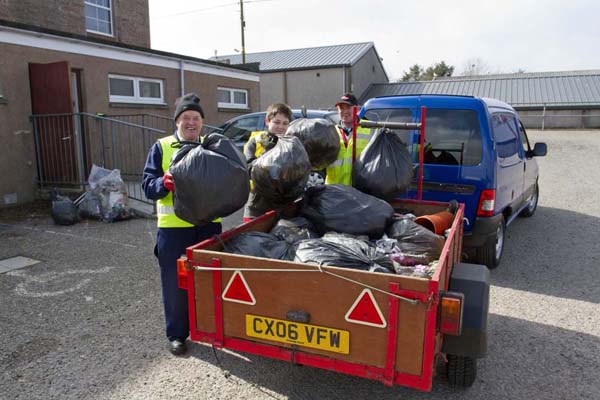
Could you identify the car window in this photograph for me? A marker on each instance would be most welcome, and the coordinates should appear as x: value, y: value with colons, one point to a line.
x: 524, y: 139
x: 241, y: 128
x: 506, y: 137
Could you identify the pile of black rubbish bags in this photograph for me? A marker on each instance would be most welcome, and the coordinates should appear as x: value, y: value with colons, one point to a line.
x: 337, y: 225
x: 341, y: 226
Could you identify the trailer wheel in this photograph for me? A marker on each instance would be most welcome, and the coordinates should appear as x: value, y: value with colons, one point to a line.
x: 461, y: 370
x: 533, y: 202
x: 491, y: 252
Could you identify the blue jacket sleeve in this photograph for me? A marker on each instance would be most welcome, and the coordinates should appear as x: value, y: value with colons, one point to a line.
x: 152, y: 179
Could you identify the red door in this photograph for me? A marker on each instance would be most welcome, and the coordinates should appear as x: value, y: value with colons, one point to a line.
x: 56, y: 140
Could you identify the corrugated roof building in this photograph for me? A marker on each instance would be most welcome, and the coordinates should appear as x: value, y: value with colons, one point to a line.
x: 314, y: 77
x: 568, y: 99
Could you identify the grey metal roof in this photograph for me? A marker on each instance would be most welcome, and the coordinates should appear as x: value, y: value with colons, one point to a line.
x: 567, y: 88
x: 312, y: 57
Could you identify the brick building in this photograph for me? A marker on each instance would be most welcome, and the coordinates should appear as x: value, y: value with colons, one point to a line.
x: 92, y: 57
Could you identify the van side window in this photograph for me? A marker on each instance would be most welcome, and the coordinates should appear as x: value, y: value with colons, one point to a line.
x: 452, y: 137
x: 506, y: 136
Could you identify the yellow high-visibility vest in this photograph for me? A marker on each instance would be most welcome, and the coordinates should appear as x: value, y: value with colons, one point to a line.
x: 340, y: 171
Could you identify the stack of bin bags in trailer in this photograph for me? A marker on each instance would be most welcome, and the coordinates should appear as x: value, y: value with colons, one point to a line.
x: 342, y: 250
x: 384, y: 168
x: 320, y: 140
x: 364, y: 235
x: 211, y: 180
x: 280, y: 175
x: 343, y: 209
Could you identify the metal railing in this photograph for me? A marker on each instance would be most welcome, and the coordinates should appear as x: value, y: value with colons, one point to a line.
x: 67, y: 145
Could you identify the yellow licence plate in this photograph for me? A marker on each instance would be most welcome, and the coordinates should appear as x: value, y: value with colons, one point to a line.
x: 314, y: 336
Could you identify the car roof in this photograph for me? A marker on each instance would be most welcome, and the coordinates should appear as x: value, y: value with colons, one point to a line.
x: 392, y: 101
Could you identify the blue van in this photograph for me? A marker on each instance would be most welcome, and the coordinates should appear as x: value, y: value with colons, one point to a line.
x: 476, y: 152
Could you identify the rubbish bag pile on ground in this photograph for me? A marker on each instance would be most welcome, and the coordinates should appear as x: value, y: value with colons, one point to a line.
x: 106, y: 198
x: 280, y: 174
x: 63, y: 210
x: 320, y: 139
x: 340, y: 226
x: 211, y: 180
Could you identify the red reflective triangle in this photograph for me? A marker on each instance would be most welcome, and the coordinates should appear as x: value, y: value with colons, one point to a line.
x: 238, y: 291
x: 366, y: 311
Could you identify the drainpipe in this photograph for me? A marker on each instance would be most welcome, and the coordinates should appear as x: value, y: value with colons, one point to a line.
x: 344, y: 80
x: 181, y: 77
x: 543, y: 117
x: 285, y: 89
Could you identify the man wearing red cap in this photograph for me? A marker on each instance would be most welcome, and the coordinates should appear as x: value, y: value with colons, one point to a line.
x: 341, y: 170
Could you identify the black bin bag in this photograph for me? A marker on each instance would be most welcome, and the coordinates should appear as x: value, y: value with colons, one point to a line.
x: 320, y: 139
x: 415, y: 239
x: 260, y: 244
x: 280, y: 174
x: 211, y: 180
x: 341, y: 250
x: 384, y: 168
x: 342, y: 208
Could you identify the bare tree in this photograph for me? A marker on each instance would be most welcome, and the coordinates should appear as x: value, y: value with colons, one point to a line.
x: 475, y: 66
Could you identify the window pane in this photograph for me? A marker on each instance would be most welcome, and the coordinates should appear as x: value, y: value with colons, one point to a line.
x: 150, y: 89
x: 103, y: 15
x: 393, y: 115
x: 452, y: 137
x: 239, y: 97
x: 91, y: 24
x: 104, y: 27
x: 241, y: 129
x: 121, y: 87
x: 223, y: 96
x: 104, y: 3
x: 505, y: 135
x: 90, y: 11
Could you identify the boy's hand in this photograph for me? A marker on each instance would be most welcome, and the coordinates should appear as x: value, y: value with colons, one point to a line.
x: 168, y: 182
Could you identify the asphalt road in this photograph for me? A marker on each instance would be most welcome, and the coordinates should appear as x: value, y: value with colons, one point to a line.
x: 86, y: 321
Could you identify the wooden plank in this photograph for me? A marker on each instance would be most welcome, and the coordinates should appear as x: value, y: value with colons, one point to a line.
x: 326, y: 298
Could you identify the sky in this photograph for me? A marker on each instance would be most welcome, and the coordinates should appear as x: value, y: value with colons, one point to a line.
x: 496, y: 37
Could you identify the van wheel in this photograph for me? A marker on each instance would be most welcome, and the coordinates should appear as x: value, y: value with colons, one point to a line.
x: 532, y: 203
x: 461, y: 370
x: 491, y: 252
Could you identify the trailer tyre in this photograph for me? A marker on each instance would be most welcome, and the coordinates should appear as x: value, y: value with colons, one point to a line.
x: 491, y: 252
x: 461, y: 370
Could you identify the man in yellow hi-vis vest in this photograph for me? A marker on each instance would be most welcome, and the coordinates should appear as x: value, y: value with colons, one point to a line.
x: 174, y: 235
x: 340, y: 171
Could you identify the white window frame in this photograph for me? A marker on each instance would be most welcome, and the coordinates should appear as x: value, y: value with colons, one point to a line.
x: 110, y: 13
x: 136, y: 98
x: 230, y: 104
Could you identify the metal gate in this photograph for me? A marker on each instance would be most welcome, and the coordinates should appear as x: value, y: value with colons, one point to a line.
x: 109, y: 142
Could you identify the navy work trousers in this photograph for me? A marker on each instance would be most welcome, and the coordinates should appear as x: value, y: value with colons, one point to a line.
x: 170, y: 245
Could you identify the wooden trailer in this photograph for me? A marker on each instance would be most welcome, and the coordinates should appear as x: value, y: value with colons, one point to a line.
x: 379, y: 326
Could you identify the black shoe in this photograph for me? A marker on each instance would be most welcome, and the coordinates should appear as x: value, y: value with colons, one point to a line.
x: 177, y: 346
